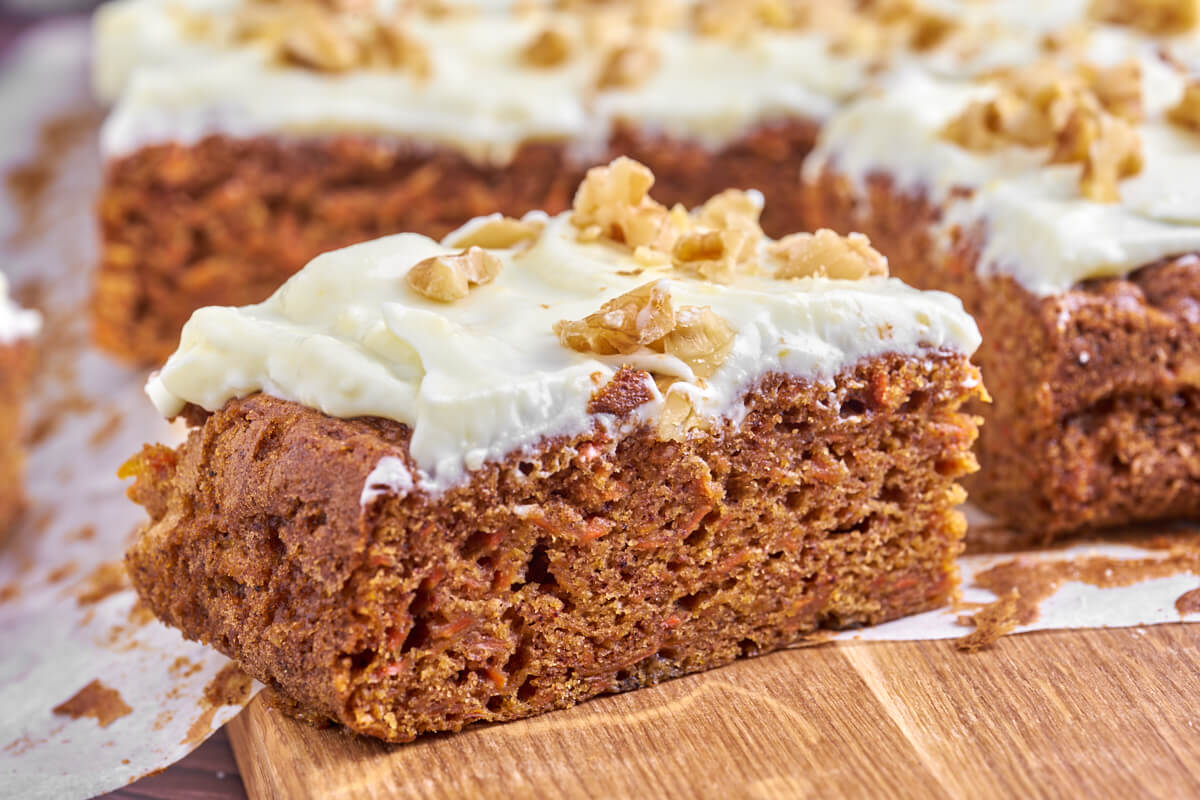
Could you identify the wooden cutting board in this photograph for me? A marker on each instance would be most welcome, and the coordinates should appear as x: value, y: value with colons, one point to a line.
x: 1098, y: 713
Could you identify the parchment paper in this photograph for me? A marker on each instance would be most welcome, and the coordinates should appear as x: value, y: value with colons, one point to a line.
x: 67, y: 619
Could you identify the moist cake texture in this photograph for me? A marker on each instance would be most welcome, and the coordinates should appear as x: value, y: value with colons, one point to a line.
x: 1070, y: 231
x: 249, y: 136
x: 432, y: 484
x: 17, y: 325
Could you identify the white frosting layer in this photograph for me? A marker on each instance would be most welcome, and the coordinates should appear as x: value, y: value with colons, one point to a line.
x: 175, y: 86
x: 1040, y: 229
x: 479, y: 97
x: 15, y: 322
x: 486, y: 376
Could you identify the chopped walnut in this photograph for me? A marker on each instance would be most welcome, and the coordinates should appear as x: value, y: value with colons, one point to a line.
x: 677, y: 416
x: 700, y: 339
x: 498, y: 233
x: 1116, y: 153
x: 627, y: 66
x: 734, y: 210
x: 1029, y: 109
x: 709, y: 254
x: 623, y: 325
x: 1187, y: 112
x: 330, y: 37
x: 1118, y: 88
x: 450, y: 277
x: 826, y: 254
x: 1157, y: 17
x: 550, y: 48
x: 613, y: 202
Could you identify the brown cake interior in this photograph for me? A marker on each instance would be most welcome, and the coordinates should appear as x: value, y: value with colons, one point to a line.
x: 226, y: 221
x: 585, y: 566
x: 1096, y: 413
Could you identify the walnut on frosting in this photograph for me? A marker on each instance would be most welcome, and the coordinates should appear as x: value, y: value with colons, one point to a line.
x: 1083, y: 116
x: 825, y: 254
x: 613, y: 203
x: 1159, y: 17
x: 447, y: 278
x: 549, y: 48
x: 497, y: 233
x: 627, y: 66
x: 330, y: 36
x: 1186, y: 113
x: 643, y: 319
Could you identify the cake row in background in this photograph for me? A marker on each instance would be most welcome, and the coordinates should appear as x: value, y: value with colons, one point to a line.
x: 1036, y: 159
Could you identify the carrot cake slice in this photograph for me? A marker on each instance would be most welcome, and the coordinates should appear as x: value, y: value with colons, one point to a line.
x: 428, y: 484
x: 1060, y: 202
x: 17, y: 325
x: 248, y: 136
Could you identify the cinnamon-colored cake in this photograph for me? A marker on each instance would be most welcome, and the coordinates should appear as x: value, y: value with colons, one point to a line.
x: 249, y: 136
x: 16, y: 326
x: 555, y: 457
x: 1059, y: 202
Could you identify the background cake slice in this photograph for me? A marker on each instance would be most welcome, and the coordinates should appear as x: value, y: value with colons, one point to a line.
x: 17, y: 325
x: 249, y: 136
x: 1060, y: 203
x: 430, y: 484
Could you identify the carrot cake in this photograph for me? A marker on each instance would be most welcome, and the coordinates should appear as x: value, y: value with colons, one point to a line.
x: 17, y: 325
x: 248, y: 136
x: 1060, y: 202
x: 428, y: 484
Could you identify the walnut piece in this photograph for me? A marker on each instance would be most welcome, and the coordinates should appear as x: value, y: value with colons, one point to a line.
x: 627, y: 66
x: 700, y: 339
x: 709, y: 254
x: 623, y: 325
x: 1159, y: 17
x: 827, y: 255
x: 1114, y: 153
x: 498, y: 233
x: 1118, y: 88
x: 1186, y: 113
x: 613, y: 202
x: 550, y: 48
x: 450, y: 277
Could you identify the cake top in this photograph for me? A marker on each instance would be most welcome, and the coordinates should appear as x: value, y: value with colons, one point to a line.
x: 704, y: 70
x: 15, y: 322
x: 1082, y: 165
x: 500, y: 335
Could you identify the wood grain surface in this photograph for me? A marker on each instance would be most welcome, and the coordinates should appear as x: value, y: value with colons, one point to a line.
x: 1098, y: 713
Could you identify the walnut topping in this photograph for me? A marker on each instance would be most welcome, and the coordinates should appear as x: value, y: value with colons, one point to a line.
x: 627, y: 66
x: 1152, y: 16
x: 825, y: 254
x: 449, y: 278
x: 613, y: 202
x: 710, y: 254
x: 332, y: 36
x: 735, y: 19
x: 643, y: 319
x: 700, y: 339
x: 498, y: 233
x: 550, y: 48
x: 1084, y: 116
x: 623, y: 325
x: 1187, y: 113
x: 1115, y: 153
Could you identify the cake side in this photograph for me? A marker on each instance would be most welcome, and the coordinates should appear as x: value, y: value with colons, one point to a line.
x: 579, y: 566
x: 17, y: 326
x: 1095, y: 419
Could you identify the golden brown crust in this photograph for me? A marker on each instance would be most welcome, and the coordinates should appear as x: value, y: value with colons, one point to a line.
x: 15, y: 361
x: 226, y: 221
x: 1096, y: 413
x: 589, y: 565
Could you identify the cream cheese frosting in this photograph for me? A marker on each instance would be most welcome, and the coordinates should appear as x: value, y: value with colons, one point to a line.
x: 487, y: 375
x: 1040, y: 229
x: 15, y: 322
x: 171, y: 83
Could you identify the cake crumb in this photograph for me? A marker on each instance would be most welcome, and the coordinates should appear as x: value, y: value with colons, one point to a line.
x: 104, y: 581
x: 97, y: 701
x: 1188, y: 603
